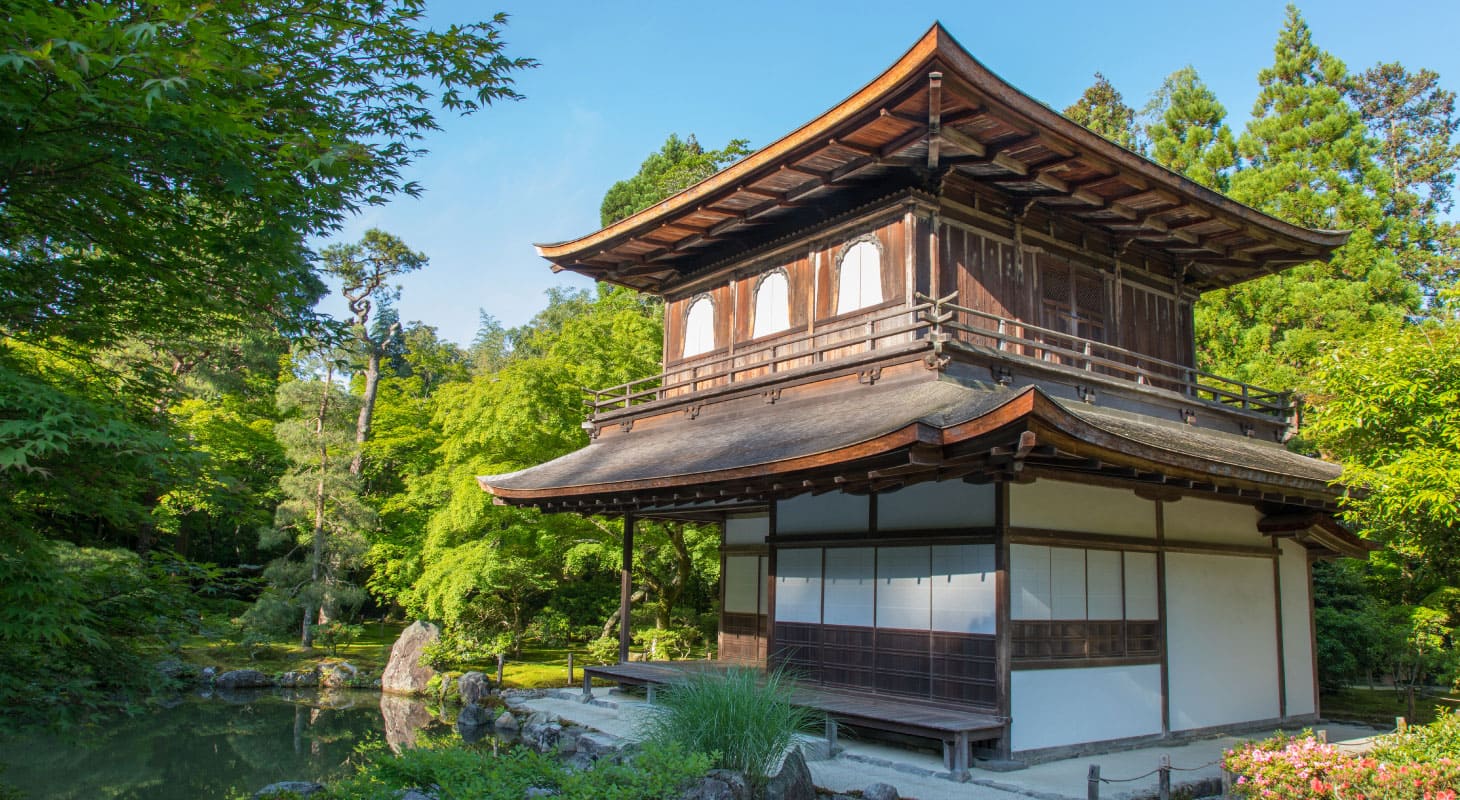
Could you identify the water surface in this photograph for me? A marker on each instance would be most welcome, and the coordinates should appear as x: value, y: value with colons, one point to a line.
x: 213, y: 746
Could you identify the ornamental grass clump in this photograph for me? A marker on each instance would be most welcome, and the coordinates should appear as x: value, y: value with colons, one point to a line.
x: 742, y: 719
x: 1303, y: 768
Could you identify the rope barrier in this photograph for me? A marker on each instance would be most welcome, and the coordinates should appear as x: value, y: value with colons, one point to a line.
x: 1158, y: 769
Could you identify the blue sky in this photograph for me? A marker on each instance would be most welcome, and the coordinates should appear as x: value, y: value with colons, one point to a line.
x: 617, y: 78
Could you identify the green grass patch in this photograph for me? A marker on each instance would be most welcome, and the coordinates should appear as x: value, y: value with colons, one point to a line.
x: 1380, y: 706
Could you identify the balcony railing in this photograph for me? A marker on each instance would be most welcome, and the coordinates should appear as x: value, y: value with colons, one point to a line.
x: 936, y: 325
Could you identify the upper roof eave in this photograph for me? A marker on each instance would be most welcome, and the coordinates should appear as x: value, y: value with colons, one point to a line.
x: 935, y: 46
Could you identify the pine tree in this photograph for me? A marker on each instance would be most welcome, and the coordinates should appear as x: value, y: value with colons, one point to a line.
x: 1103, y: 110
x: 1188, y: 130
x: 1413, y: 121
x: 1307, y: 159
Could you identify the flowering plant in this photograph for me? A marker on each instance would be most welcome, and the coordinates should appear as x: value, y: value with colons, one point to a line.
x: 1303, y: 768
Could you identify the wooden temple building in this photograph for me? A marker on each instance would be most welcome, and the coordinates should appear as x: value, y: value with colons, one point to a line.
x: 929, y: 359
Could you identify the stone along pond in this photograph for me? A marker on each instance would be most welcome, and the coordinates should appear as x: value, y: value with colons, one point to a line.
x: 212, y: 745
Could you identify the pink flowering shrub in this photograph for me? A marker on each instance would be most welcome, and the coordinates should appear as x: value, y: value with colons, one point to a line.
x: 1303, y: 768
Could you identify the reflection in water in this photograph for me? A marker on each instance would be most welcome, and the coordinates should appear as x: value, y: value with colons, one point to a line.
x: 403, y: 717
x: 210, y: 746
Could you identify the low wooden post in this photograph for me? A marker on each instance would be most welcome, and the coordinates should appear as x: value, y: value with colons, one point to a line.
x: 570, y: 669
x: 1163, y: 786
x: 1400, y: 724
x: 1322, y: 737
x: 587, y: 686
x: 1226, y: 783
x: 831, y: 736
x: 1092, y: 783
x: 501, y: 660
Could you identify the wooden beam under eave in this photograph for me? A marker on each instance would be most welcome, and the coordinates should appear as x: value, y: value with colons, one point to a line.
x: 963, y: 141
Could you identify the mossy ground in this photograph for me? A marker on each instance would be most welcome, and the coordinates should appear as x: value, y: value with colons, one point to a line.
x: 1381, y: 706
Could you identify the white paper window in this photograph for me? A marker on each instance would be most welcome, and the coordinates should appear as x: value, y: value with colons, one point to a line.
x: 699, y: 327
x: 904, y: 592
x: 1140, y: 586
x: 798, y: 585
x: 742, y: 584
x: 1067, y: 583
x: 1029, y: 565
x: 859, y: 279
x: 772, y: 305
x: 964, y: 588
x: 849, y: 589
x: 1102, y: 575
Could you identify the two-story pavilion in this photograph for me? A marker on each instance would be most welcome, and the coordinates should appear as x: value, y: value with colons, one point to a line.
x: 929, y: 358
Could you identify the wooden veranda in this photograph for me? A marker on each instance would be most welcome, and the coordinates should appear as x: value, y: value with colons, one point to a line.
x: 955, y: 728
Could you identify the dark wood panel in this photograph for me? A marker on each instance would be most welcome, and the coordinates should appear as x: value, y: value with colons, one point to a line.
x: 1079, y: 641
x: 927, y: 665
x: 742, y: 638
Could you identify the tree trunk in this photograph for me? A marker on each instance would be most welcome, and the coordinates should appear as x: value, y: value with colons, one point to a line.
x: 367, y: 403
x: 608, y: 626
x: 316, y: 566
x: 373, y: 351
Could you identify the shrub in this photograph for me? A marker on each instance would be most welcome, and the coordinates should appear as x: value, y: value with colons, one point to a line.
x: 463, y: 771
x: 1421, y: 743
x: 743, y: 719
x: 603, y: 650
x: 668, y: 644
x: 333, y: 634
x: 1302, y: 768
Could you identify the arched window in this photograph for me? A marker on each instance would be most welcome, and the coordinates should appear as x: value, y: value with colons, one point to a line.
x: 859, y: 277
x: 772, y: 304
x: 699, y: 327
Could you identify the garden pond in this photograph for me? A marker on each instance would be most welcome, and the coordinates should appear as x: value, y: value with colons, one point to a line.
x: 212, y: 745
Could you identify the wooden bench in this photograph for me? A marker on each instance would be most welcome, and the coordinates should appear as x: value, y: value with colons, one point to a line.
x: 955, y: 727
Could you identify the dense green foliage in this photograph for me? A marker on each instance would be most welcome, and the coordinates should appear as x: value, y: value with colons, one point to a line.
x: 1103, y: 110
x: 1188, y: 131
x: 678, y: 165
x: 743, y: 718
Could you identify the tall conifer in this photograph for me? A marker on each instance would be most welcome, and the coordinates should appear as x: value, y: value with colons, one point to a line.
x: 1188, y: 130
x: 1307, y: 159
x: 1103, y: 110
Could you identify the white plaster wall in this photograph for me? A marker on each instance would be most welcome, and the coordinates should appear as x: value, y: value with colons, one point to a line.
x: 832, y: 512
x: 1056, y: 707
x: 743, y: 529
x: 1193, y: 519
x: 798, y: 585
x: 1064, y: 506
x: 742, y: 584
x: 951, y: 504
x: 1221, y: 640
x: 1297, y: 638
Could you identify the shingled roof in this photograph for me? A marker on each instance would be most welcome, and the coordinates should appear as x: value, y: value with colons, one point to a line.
x: 938, y: 108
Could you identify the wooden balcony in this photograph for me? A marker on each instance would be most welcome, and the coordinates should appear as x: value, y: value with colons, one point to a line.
x: 937, y: 328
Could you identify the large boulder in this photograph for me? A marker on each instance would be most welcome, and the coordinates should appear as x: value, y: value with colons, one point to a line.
x: 473, y: 716
x: 793, y: 782
x: 242, y: 679
x: 472, y: 687
x: 338, y: 676
x: 405, y: 674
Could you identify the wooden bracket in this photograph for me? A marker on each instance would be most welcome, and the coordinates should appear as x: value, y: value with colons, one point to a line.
x: 693, y: 411
x: 1003, y: 376
x: 591, y: 428
x: 626, y: 426
x: 870, y: 375
x: 1188, y: 416
x: 1086, y: 393
x: 770, y: 396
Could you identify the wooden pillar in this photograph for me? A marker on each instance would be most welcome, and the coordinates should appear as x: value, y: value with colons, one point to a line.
x: 1161, y: 617
x: 625, y: 591
x: 1277, y: 602
x: 770, y: 589
x: 1003, y: 632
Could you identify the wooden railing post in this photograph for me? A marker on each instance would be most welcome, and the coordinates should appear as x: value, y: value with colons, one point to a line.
x: 1092, y: 783
x: 1163, y: 790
